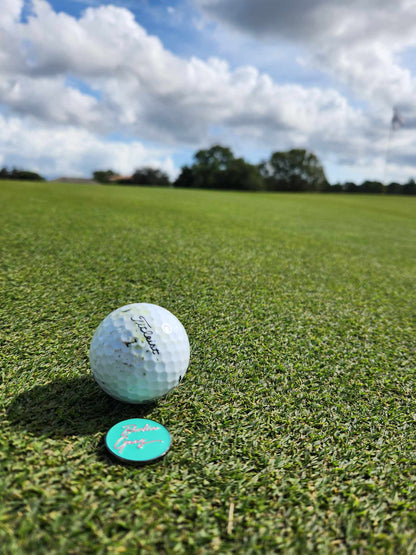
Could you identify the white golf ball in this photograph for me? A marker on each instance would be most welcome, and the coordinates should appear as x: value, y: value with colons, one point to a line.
x: 139, y: 353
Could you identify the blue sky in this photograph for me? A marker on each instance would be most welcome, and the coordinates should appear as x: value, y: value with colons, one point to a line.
x: 91, y: 84
x: 171, y: 21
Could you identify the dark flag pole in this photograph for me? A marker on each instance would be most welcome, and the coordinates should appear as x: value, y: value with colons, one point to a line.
x: 395, y: 124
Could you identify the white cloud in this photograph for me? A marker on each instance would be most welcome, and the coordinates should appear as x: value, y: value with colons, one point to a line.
x: 26, y: 95
x: 357, y: 41
x: 10, y: 12
x: 69, y: 150
x: 144, y: 86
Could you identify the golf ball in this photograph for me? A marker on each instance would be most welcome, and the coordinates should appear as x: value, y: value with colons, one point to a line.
x: 139, y: 353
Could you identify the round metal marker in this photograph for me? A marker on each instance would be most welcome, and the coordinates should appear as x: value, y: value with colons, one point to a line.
x: 138, y: 440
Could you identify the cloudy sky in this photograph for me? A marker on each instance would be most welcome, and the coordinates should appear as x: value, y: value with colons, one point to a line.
x: 94, y: 84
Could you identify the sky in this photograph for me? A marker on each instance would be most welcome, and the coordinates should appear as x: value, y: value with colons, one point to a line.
x: 122, y: 84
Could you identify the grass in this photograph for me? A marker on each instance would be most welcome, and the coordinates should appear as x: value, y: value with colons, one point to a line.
x: 294, y: 429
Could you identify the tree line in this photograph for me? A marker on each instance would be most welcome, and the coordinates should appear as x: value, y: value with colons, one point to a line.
x: 21, y: 175
x: 294, y: 170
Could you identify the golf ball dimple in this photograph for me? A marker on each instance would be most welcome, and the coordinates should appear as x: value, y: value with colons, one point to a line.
x: 139, y: 353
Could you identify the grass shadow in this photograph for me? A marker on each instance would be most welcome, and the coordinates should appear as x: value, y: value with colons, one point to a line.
x: 70, y: 407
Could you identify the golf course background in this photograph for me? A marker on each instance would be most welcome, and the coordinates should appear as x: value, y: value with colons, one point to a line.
x: 294, y: 429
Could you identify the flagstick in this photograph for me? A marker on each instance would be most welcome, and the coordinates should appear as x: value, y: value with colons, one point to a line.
x: 395, y: 124
x: 387, y: 154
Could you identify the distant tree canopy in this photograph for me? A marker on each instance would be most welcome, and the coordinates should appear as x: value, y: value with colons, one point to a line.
x: 22, y: 175
x: 150, y: 176
x: 294, y: 170
x: 142, y: 176
x: 365, y: 187
x: 409, y: 188
x: 217, y: 168
x: 103, y: 176
x: 371, y: 187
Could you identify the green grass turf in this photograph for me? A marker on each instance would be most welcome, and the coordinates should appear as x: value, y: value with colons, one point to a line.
x: 298, y: 408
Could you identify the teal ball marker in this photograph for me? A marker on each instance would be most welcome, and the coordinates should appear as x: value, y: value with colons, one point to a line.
x: 138, y: 440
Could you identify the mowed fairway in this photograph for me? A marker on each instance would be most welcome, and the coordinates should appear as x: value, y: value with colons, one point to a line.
x: 297, y: 411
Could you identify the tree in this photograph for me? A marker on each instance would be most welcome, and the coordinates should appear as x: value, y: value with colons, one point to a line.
x: 186, y: 178
x: 217, y: 168
x: 394, y: 188
x: 103, y: 176
x: 240, y: 175
x: 294, y: 170
x: 216, y: 158
x: 209, y: 167
x: 350, y: 187
x: 371, y: 187
x: 409, y: 188
x: 150, y: 176
x: 335, y: 188
x: 25, y: 175
x: 21, y: 175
